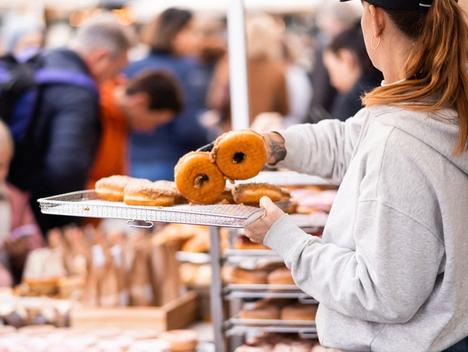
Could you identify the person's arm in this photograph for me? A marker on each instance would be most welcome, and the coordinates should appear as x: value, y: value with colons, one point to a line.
x: 72, y: 139
x: 385, y: 279
x: 25, y: 234
x: 324, y: 149
x: 391, y: 268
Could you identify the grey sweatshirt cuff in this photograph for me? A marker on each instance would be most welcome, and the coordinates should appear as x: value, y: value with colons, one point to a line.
x: 284, y: 235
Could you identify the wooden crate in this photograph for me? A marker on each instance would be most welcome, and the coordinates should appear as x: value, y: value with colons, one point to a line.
x: 175, y: 315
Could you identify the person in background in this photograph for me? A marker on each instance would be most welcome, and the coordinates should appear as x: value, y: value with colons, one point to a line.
x: 298, y: 82
x: 332, y: 19
x: 149, y: 100
x: 266, y: 72
x: 22, y: 36
x: 65, y: 130
x: 19, y: 233
x: 174, y: 43
x: 351, y: 72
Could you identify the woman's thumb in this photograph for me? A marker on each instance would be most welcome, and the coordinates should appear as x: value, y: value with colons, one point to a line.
x: 266, y: 203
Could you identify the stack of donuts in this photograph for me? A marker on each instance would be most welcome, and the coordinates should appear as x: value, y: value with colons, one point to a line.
x: 236, y: 155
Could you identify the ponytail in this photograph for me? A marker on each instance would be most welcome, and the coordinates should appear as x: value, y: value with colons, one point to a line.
x: 437, y: 68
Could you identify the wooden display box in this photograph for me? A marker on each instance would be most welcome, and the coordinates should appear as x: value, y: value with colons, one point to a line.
x: 174, y: 315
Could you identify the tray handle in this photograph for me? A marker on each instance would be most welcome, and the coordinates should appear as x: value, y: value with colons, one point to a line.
x: 140, y: 224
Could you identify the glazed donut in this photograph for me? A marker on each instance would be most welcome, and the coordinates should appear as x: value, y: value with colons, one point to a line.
x: 198, y: 179
x: 251, y: 193
x: 239, y: 154
x: 147, y: 193
x: 112, y: 188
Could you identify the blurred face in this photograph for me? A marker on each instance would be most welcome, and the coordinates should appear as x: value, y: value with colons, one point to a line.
x: 187, y: 41
x: 140, y: 117
x: 342, y: 69
x: 29, y: 41
x: 5, y: 158
x: 105, y: 66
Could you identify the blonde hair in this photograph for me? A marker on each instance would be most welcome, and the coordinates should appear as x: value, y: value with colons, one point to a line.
x: 6, y: 140
x: 264, y: 37
x: 437, y: 68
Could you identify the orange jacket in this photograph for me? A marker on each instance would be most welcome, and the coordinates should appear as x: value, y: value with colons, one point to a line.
x: 111, y: 157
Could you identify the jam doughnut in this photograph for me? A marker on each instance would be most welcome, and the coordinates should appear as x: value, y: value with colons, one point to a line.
x: 198, y: 179
x: 239, y: 154
x: 112, y: 188
x: 147, y: 193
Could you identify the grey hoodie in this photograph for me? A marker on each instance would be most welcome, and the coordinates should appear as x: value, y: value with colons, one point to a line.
x: 391, y: 271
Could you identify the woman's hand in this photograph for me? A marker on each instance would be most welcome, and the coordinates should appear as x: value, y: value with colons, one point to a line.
x: 275, y: 147
x: 257, y: 230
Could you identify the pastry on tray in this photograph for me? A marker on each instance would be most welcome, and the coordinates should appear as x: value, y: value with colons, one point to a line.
x: 243, y: 242
x: 266, y: 312
x: 251, y: 193
x: 281, y: 276
x: 302, y: 312
x: 147, y: 193
x: 112, y: 188
x: 181, y: 340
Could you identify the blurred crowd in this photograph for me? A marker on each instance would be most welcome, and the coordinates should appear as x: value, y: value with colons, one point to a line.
x: 124, y: 100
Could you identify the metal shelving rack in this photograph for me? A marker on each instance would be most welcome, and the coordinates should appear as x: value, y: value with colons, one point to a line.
x: 226, y: 300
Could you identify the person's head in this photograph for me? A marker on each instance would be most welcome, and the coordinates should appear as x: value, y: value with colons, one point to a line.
x: 264, y: 37
x: 6, y: 151
x: 431, y: 36
x: 334, y: 17
x: 103, y: 43
x: 346, y: 59
x: 173, y: 32
x: 151, y: 99
x: 212, y: 39
x: 21, y: 34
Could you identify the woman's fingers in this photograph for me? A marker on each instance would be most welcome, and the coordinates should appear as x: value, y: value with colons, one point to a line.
x: 258, y: 229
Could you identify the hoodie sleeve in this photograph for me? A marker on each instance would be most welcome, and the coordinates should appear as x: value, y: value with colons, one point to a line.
x: 385, y: 279
x: 394, y: 253
x: 323, y: 149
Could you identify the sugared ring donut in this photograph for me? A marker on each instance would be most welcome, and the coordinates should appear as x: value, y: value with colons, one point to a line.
x: 112, y: 188
x: 239, y: 154
x: 198, y: 179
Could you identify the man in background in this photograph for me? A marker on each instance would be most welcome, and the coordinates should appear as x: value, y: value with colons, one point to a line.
x: 64, y: 134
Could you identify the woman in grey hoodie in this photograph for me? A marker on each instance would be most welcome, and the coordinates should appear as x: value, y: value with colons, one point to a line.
x: 390, y: 271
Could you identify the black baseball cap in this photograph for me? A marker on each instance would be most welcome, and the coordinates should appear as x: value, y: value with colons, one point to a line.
x: 400, y: 4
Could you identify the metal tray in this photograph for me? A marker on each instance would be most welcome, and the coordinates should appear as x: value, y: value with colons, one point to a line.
x: 87, y: 204
x: 304, y: 332
x: 272, y: 322
x: 261, y: 287
x: 194, y: 258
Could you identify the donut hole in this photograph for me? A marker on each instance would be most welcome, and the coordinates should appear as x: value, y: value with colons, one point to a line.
x: 200, y: 180
x: 238, y: 157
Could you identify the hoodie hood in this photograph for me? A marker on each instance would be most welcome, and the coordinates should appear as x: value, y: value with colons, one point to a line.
x: 438, y: 130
